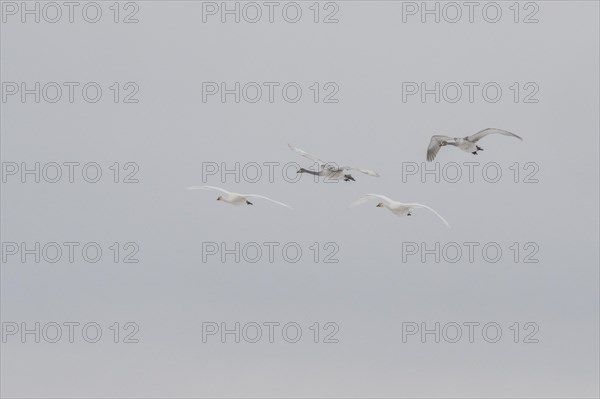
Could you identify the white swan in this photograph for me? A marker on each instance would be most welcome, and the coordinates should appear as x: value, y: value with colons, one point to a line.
x: 397, y: 208
x: 330, y: 170
x: 235, y: 198
x: 468, y: 144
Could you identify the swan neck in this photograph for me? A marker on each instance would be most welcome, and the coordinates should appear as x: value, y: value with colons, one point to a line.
x: 308, y: 171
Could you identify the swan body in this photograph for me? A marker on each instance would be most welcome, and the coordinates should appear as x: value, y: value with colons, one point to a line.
x: 467, y: 144
x: 397, y: 208
x: 236, y: 198
x: 330, y: 170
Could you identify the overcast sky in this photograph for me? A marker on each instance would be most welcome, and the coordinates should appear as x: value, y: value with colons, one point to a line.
x: 363, y: 61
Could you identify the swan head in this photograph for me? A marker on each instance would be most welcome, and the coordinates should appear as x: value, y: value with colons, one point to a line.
x: 380, y: 205
x: 220, y: 198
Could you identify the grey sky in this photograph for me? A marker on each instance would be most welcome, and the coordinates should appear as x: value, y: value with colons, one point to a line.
x: 370, y: 292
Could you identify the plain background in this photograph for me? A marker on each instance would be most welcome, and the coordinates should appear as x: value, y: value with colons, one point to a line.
x: 370, y: 292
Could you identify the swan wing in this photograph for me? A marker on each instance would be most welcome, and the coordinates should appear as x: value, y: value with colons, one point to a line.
x: 266, y: 198
x: 208, y: 188
x: 431, y: 209
x: 365, y: 171
x: 307, y: 155
x: 486, y: 132
x: 435, y: 144
x: 368, y: 197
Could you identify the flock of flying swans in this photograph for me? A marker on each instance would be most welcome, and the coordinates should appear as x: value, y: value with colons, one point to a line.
x: 334, y: 172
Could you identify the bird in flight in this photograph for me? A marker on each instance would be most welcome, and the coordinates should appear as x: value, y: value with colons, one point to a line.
x: 330, y: 170
x: 397, y: 208
x: 235, y: 198
x: 467, y: 144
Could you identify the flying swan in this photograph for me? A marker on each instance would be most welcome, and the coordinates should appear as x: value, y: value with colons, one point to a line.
x: 397, y: 208
x: 467, y: 144
x: 235, y: 198
x: 329, y: 169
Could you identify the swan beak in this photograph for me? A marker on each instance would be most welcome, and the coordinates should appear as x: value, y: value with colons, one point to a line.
x: 219, y: 198
x: 379, y: 205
